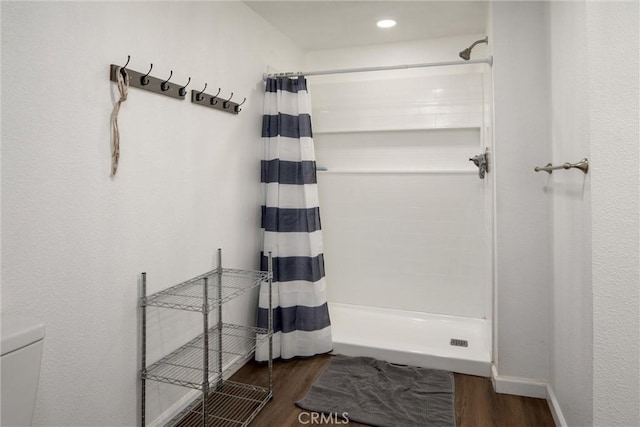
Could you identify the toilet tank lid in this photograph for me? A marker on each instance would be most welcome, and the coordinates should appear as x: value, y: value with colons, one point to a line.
x: 19, y: 331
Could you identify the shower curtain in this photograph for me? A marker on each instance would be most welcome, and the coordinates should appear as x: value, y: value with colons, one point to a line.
x: 291, y: 226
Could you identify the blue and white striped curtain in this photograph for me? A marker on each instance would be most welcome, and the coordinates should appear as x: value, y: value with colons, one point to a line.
x: 291, y: 225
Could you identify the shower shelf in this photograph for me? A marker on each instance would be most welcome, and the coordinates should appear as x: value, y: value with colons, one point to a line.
x: 202, y: 363
x: 474, y: 126
x: 398, y: 171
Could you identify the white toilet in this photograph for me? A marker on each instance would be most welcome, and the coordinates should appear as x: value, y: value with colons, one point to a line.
x: 21, y: 347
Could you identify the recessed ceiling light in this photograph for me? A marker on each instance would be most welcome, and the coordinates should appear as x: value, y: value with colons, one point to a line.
x: 386, y: 23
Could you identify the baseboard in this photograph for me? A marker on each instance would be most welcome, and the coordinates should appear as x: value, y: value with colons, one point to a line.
x: 175, y: 409
x: 554, y: 407
x: 518, y: 386
x: 192, y: 395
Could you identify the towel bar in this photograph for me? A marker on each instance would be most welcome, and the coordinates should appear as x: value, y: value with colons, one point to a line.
x: 583, y: 165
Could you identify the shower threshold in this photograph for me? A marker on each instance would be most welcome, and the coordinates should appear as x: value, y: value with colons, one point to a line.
x: 412, y: 338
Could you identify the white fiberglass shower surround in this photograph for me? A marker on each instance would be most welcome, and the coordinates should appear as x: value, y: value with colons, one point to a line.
x: 407, y: 221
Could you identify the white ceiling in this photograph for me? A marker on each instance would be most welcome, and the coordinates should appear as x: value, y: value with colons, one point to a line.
x: 335, y: 24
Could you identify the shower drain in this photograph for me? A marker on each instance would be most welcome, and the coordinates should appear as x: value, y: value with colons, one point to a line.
x: 459, y: 343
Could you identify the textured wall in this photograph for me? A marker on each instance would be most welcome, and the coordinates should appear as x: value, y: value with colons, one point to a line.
x: 73, y: 240
x: 570, y: 193
x: 562, y: 93
x: 612, y: 42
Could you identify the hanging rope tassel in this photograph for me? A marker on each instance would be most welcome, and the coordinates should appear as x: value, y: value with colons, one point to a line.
x: 123, y: 88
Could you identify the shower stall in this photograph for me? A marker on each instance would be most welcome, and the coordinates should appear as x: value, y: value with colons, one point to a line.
x: 407, y: 220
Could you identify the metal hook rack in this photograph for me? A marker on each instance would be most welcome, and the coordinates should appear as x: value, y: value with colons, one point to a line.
x: 215, y: 102
x: 179, y: 91
x: 146, y: 82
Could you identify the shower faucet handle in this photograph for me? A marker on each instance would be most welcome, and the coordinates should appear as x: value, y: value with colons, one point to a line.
x: 482, y: 162
x: 475, y: 159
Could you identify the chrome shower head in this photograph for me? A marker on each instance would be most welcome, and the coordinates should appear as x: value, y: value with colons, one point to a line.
x: 466, y: 54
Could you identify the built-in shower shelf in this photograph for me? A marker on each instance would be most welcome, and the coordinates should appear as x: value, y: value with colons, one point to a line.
x: 188, y: 295
x: 399, y: 171
x: 184, y: 365
x: 318, y: 132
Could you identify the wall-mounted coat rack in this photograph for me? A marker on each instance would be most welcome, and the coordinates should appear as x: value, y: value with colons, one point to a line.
x: 150, y: 83
x: 165, y: 87
x: 216, y: 102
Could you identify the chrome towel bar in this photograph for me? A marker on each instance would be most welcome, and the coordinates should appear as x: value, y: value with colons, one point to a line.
x: 583, y: 165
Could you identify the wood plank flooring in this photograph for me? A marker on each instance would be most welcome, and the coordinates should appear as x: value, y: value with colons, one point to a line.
x: 476, y: 403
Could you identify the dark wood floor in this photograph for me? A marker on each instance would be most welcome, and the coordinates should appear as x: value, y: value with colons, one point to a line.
x: 475, y: 401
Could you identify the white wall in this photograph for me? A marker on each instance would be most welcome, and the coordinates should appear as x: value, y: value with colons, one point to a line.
x: 613, y: 55
x: 74, y: 241
x: 523, y: 260
x: 594, y: 70
x: 566, y: 87
x: 420, y: 234
x: 405, y: 241
x: 412, y: 52
x: 570, y: 194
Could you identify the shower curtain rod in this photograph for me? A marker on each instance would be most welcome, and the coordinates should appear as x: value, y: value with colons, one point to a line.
x: 488, y: 60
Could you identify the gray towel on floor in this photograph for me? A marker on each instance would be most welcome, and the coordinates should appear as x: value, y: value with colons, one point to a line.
x: 379, y: 393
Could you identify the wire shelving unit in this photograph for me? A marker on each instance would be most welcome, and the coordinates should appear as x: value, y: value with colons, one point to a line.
x: 200, y: 363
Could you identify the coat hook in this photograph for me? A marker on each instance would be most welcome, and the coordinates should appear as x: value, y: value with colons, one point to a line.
x: 183, y: 90
x: 199, y: 96
x: 164, y: 86
x: 123, y: 69
x: 237, y: 107
x: 213, y: 99
x: 144, y: 80
x: 225, y: 104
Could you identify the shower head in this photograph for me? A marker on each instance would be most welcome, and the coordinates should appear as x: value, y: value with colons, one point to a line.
x: 466, y: 54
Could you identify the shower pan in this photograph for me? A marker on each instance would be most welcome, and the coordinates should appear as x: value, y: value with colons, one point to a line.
x: 453, y: 343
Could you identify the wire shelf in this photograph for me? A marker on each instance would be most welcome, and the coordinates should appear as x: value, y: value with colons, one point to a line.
x: 188, y: 295
x: 231, y: 404
x: 184, y: 365
x: 200, y: 364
